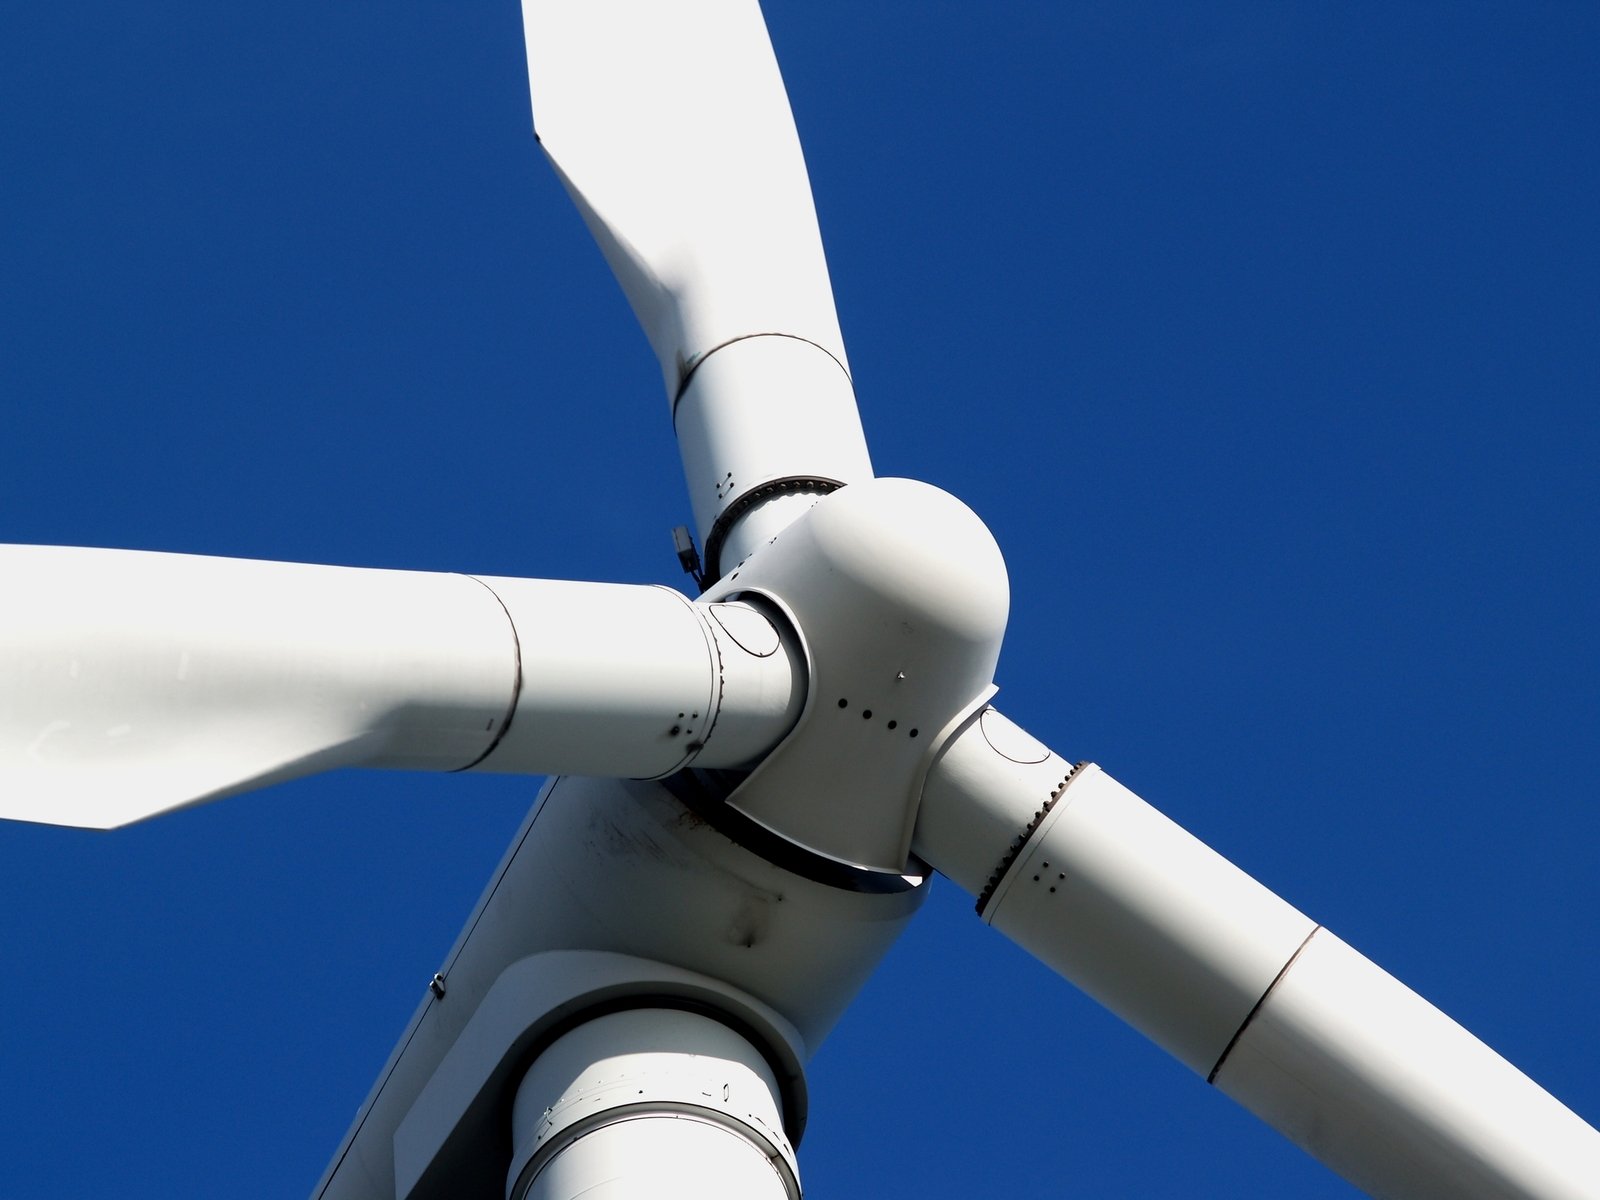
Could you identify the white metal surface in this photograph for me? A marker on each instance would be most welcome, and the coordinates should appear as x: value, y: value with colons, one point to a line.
x: 670, y: 126
x: 1313, y: 1038
x: 760, y: 410
x: 1377, y: 1083
x: 132, y: 683
x: 639, y: 681
x: 671, y: 129
x: 900, y: 597
x: 673, y: 1157
x: 752, y: 528
x: 439, y: 1144
x: 989, y: 782
x: 650, y: 1102
x: 1146, y: 918
x: 622, y: 868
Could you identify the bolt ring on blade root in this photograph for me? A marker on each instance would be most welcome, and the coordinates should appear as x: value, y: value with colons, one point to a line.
x: 729, y: 517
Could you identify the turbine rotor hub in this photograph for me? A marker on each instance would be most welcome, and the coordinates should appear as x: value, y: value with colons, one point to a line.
x: 898, y: 596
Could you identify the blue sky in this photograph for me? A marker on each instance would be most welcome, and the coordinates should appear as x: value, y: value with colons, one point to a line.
x: 1263, y: 336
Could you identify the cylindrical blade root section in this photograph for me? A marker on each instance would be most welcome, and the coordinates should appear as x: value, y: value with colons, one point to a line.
x: 633, y: 681
x: 1146, y: 918
x: 763, y: 420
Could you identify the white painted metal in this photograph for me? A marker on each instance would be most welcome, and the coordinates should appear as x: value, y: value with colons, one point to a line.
x: 665, y: 1158
x: 646, y: 1103
x: 990, y: 781
x: 1310, y: 1036
x: 640, y: 682
x: 618, y: 868
x: 758, y: 525
x: 656, y: 1159
x: 761, y: 682
x: 1146, y: 918
x: 670, y: 127
x: 760, y: 410
x: 901, y: 598
x: 132, y: 683
x: 1377, y: 1083
x: 439, y: 1144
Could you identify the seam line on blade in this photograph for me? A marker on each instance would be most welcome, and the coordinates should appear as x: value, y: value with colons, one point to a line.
x: 1251, y: 1015
x: 516, y: 680
x: 686, y: 372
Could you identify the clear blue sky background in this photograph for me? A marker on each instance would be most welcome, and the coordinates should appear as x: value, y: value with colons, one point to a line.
x: 1264, y: 336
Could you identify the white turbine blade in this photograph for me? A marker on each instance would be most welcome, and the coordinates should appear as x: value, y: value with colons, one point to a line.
x: 1347, y: 1062
x: 670, y: 126
x: 1367, y: 1076
x: 132, y: 683
x: 671, y: 129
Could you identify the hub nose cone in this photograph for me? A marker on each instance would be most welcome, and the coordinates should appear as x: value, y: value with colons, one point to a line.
x: 920, y: 552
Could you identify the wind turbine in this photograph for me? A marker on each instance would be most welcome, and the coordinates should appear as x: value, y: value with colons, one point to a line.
x: 1284, y: 885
